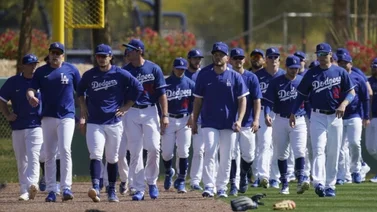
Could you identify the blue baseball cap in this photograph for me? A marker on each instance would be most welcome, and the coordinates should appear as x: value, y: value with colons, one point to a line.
x: 314, y: 64
x: 272, y: 51
x: 220, y: 47
x: 323, y: 47
x: 374, y: 63
x: 29, y: 59
x: 293, y: 62
x: 56, y: 45
x: 237, y: 52
x: 335, y: 57
x: 257, y: 51
x: 300, y: 55
x: 342, y: 51
x: 180, y: 63
x: 345, y: 57
x: 135, y: 44
x: 194, y: 53
x: 103, y: 50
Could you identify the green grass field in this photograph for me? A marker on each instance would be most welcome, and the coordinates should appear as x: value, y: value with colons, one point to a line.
x: 350, y: 197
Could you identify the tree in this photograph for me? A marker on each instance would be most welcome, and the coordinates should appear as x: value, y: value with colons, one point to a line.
x: 340, y: 22
x: 102, y: 35
x: 24, y: 44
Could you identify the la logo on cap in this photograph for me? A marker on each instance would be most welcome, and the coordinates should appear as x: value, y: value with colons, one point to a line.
x: 294, y: 61
x: 237, y: 51
x: 273, y: 50
x: 181, y: 62
x: 320, y: 47
x: 197, y: 52
x: 56, y: 45
x: 218, y: 47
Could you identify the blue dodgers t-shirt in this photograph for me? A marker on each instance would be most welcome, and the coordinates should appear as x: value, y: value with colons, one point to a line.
x: 57, y: 88
x: 151, y: 77
x: 264, y: 79
x: 14, y: 89
x: 105, y: 93
x: 281, y: 95
x: 220, y: 93
x: 373, y: 84
x: 180, y: 94
x: 252, y: 83
x: 325, y: 87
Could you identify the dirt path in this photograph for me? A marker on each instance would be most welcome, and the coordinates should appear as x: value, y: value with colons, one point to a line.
x: 167, y: 201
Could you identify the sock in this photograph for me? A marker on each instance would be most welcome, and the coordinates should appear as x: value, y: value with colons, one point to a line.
x: 112, y: 171
x: 283, y: 168
x: 95, y: 172
x: 183, y: 166
x: 168, y: 165
x: 58, y: 170
x: 42, y: 165
x: 128, y: 157
x: 245, y: 167
x: 299, y: 167
x: 233, y: 171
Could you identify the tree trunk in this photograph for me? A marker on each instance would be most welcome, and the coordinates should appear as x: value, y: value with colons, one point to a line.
x: 341, y: 22
x: 102, y: 35
x: 24, y: 43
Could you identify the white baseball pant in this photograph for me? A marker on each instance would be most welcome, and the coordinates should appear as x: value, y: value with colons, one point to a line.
x: 104, y: 175
x: 326, y: 139
x: 27, y: 146
x: 42, y: 156
x: 290, y: 162
x: 58, y: 134
x: 214, y: 141
x: 308, y: 155
x: 143, y: 131
x: 352, y: 129
x: 371, y: 138
x: 196, y: 170
x: 344, y: 160
x: 123, y: 168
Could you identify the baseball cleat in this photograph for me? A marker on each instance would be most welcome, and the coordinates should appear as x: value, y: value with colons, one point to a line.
x: 24, y: 197
x: 233, y: 190
x: 112, y: 196
x: 264, y: 183
x: 291, y: 177
x: 347, y: 181
x: 169, y: 179
x: 132, y: 191
x: 339, y: 182
x: 330, y: 192
x: 320, y: 190
x: 67, y: 195
x: 153, y: 191
x: 138, y: 196
x: 364, y: 170
x: 57, y: 189
x: 100, y: 184
x: 33, y: 190
x: 123, y: 188
x: 94, y: 195
x: 196, y: 187
x: 42, y: 184
x: 374, y: 179
x: 244, y: 184
x: 284, y: 189
x: 302, y: 187
x: 256, y: 183
x: 51, y: 197
x: 274, y: 184
x: 208, y: 192
x: 356, y: 177
x: 222, y: 194
x: 180, y: 185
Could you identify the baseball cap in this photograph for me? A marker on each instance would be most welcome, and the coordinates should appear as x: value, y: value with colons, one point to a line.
x: 293, y: 62
x: 103, y: 50
x: 300, y: 55
x: 135, y: 44
x: 345, y: 57
x: 180, y: 63
x: 272, y: 51
x: 374, y: 63
x: 221, y: 47
x: 56, y: 45
x: 29, y: 59
x: 323, y: 47
x: 341, y: 51
x: 195, y: 53
x: 237, y: 52
x: 314, y: 64
x: 335, y: 57
x: 257, y: 51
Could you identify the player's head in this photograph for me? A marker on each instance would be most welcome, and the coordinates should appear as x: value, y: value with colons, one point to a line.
x: 29, y: 63
x: 237, y: 58
x: 334, y: 59
x: 126, y: 57
x: 324, y: 54
x: 257, y: 59
x: 179, y: 67
x: 345, y: 61
x: 302, y: 57
x: 104, y: 54
x: 342, y: 51
x: 194, y: 58
x: 219, y: 54
x: 135, y: 49
x: 272, y: 57
x: 56, y: 53
x: 373, y: 66
x: 293, y: 65
x: 313, y: 64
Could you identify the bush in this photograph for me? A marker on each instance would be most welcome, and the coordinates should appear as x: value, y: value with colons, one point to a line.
x: 362, y: 54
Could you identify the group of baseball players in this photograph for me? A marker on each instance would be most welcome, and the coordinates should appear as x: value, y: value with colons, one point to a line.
x: 293, y: 124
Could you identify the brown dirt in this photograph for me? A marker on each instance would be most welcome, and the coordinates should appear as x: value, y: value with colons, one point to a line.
x: 167, y: 201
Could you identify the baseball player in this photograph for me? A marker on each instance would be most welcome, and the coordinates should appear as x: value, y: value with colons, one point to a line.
x: 264, y: 134
x: 220, y: 94
x: 256, y: 60
x: 353, y: 119
x: 325, y: 84
x: 25, y: 122
x: 142, y: 120
x: 371, y: 130
x: 180, y: 97
x: 314, y: 64
x: 280, y: 97
x: 334, y: 59
x: 302, y: 57
x: 104, y: 103
x: 244, y: 151
x: 57, y: 82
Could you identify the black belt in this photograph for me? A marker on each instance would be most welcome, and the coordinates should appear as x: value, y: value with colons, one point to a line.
x: 142, y: 106
x: 326, y: 112
x: 288, y: 116
x: 178, y: 116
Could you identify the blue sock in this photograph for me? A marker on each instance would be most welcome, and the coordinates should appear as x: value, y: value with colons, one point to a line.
x: 95, y: 172
x: 299, y: 166
x: 245, y: 166
x: 283, y: 168
x: 233, y: 171
x: 112, y: 171
x: 183, y: 166
x: 168, y: 165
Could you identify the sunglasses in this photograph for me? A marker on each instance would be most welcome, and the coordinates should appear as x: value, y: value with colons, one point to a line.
x: 273, y: 57
x: 56, y: 52
x: 255, y: 57
x: 322, y: 54
x: 238, y: 58
x: 129, y: 49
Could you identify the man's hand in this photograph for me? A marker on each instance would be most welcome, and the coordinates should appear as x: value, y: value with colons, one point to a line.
x: 34, y: 101
x: 194, y: 128
x: 366, y: 122
x: 255, y: 126
x: 268, y: 120
x: 121, y: 111
x: 292, y: 121
x: 189, y: 122
x: 340, y: 111
x: 237, y: 126
x: 84, y: 113
x: 11, y: 117
x: 164, y: 123
x: 83, y: 126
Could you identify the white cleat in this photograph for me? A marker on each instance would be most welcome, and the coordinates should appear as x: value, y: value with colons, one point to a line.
x: 33, y: 190
x: 264, y: 183
x: 301, y: 188
x: 284, y: 190
x: 374, y: 179
x: 24, y: 197
x: 92, y: 193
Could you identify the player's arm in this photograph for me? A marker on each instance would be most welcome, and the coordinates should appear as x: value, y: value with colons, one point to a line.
x: 31, y: 92
x: 4, y: 99
x: 133, y: 90
x: 256, y: 95
x: 303, y: 91
x: 269, y: 99
x: 347, y: 87
x: 199, y: 94
x: 242, y: 91
x: 81, y: 89
x: 363, y: 94
x: 160, y: 85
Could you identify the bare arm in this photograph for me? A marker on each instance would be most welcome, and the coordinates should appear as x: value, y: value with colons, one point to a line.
x: 195, y: 113
x: 164, y: 110
x: 83, y: 108
x: 257, y: 111
x: 342, y: 107
x: 30, y: 95
x: 241, y: 108
x: 5, y: 111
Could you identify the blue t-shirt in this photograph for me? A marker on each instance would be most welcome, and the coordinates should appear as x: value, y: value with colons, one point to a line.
x: 180, y: 94
x: 325, y: 87
x: 106, y: 91
x: 57, y: 87
x: 151, y: 77
x: 252, y: 83
x: 14, y: 89
x: 281, y: 96
x: 264, y: 79
x: 359, y: 72
x: 373, y: 84
x: 189, y: 73
x: 220, y: 93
